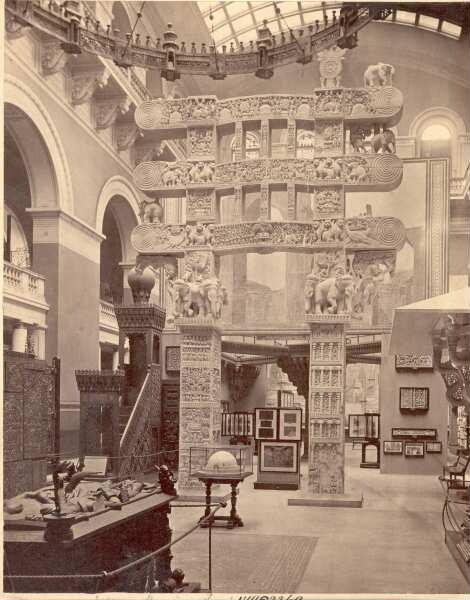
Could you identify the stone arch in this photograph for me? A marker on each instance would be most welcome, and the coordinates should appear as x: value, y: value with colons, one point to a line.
x: 125, y: 207
x: 441, y: 115
x: 39, y: 143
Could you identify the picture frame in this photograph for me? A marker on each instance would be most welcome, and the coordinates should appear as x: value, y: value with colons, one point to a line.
x: 414, y: 362
x: 433, y: 447
x: 290, y: 424
x: 266, y: 423
x: 237, y: 424
x: 414, y: 399
x: 392, y: 447
x: 416, y: 433
x: 414, y: 449
x: 279, y: 457
x: 172, y: 359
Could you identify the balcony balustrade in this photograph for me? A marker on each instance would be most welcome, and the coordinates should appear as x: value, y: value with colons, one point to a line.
x: 23, y: 282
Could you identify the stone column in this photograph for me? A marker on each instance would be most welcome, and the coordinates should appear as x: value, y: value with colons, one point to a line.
x: 115, y: 360
x: 20, y: 337
x: 326, y: 407
x: 39, y: 341
x: 200, y: 391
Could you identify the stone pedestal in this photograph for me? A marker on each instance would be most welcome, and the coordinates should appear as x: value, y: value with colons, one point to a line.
x: 200, y: 383
x: 326, y: 404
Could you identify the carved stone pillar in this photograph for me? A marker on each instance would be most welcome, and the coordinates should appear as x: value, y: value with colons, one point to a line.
x: 326, y: 408
x: 238, y: 141
x: 265, y: 141
x: 99, y: 414
x: 237, y: 204
x: 200, y: 391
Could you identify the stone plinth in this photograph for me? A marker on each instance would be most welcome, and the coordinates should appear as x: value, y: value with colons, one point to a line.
x: 200, y: 377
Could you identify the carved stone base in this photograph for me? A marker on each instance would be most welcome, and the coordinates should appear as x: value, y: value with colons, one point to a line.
x: 327, y: 318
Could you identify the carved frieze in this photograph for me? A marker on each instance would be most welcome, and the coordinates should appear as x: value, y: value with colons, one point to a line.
x: 326, y: 403
x: 200, y: 205
x: 200, y: 141
x: 99, y: 381
x: 327, y: 202
x: 326, y: 377
x: 150, y: 176
x: 354, y: 233
x: 413, y: 362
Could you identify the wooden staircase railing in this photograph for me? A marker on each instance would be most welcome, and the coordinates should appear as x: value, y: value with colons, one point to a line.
x: 137, y: 445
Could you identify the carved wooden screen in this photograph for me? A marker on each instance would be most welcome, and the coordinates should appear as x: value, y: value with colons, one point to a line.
x: 170, y: 423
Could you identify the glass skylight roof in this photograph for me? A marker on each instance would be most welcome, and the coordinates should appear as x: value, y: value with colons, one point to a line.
x: 235, y: 22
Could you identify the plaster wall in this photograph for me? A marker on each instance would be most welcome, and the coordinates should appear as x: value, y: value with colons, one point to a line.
x: 390, y: 416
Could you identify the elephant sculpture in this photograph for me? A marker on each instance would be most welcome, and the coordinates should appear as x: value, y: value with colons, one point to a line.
x: 384, y: 141
x: 334, y: 294
x: 202, y: 297
x: 172, y: 176
x: 356, y: 173
x: 378, y: 75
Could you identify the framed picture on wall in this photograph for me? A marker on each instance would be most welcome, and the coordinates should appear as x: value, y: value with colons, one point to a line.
x: 393, y: 447
x: 414, y: 449
x: 413, y: 362
x: 414, y: 399
x: 265, y: 423
x: 279, y: 457
x: 172, y: 359
x: 433, y: 447
x: 290, y: 424
x: 403, y: 433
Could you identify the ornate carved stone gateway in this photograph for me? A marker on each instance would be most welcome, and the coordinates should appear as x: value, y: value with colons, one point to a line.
x: 353, y: 259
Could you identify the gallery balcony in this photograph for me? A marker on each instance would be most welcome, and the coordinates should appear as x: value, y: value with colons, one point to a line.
x: 24, y: 295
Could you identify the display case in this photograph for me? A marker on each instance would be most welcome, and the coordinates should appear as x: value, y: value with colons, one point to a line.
x: 221, y: 462
x: 414, y: 400
x: 365, y: 426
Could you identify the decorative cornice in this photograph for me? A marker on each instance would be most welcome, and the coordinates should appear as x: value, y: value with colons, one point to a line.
x: 99, y: 382
x: 140, y: 318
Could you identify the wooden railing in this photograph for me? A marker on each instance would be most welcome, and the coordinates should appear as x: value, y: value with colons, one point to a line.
x: 137, y: 449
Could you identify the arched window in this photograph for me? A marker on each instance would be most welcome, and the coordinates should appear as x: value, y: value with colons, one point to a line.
x: 436, y: 142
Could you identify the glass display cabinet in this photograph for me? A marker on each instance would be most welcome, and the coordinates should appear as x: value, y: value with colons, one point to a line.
x: 221, y: 462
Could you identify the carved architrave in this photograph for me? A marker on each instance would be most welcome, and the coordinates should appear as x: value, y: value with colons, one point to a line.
x: 356, y: 172
x: 84, y: 84
x: 125, y: 135
x: 107, y: 111
x: 53, y: 58
x: 356, y: 233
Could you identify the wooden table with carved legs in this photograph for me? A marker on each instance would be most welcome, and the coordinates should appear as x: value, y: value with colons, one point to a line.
x: 233, y: 519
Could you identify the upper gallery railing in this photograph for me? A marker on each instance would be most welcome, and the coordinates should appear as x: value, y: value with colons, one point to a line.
x: 23, y: 282
x: 64, y: 22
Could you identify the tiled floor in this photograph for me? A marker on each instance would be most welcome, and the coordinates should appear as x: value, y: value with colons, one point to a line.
x: 394, y: 544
